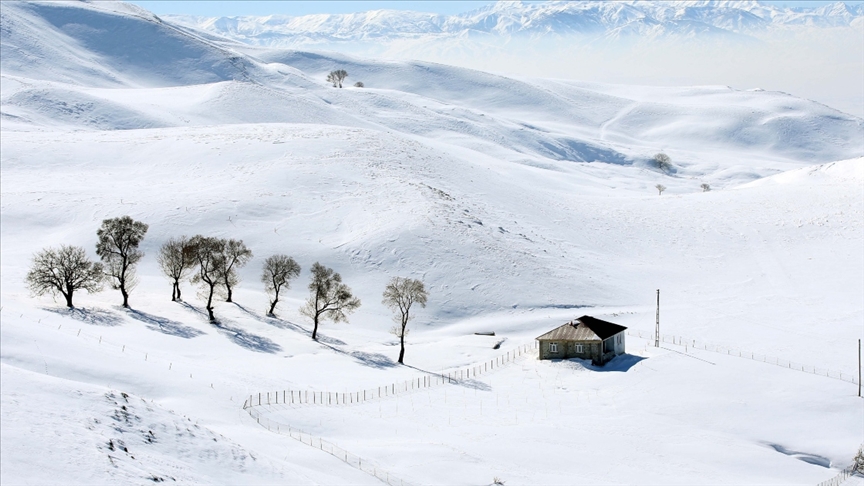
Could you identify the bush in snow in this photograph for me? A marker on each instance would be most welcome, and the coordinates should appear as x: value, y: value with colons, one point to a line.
x: 705, y: 187
x: 660, y: 188
x: 207, y: 255
x: 330, y: 299
x: 336, y: 77
x: 64, y: 271
x: 399, y: 295
x: 234, y: 255
x: 358, y: 84
x: 175, y: 261
x: 279, y: 270
x: 118, y: 248
x: 663, y: 162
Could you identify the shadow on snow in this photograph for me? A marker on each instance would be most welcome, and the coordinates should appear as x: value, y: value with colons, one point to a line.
x: 164, y: 325
x: 242, y: 338
x: 97, y: 317
x: 283, y: 324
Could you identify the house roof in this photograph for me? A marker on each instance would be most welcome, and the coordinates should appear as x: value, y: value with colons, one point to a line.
x: 586, y: 328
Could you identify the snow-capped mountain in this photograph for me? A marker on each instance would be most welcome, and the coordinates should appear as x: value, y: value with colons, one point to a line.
x: 733, y: 19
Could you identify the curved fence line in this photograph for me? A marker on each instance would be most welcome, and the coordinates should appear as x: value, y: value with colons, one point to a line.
x: 840, y: 478
x: 729, y: 351
x: 352, y: 460
x: 307, y: 397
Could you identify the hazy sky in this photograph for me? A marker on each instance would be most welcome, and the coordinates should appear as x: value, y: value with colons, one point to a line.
x: 253, y: 7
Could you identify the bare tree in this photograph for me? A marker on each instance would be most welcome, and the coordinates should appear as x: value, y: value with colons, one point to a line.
x: 660, y: 188
x: 176, y: 263
x: 399, y: 295
x: 358, y: 84
x: 336, y: 77
x: 118, y: 248
x: 663, y: 162
x: 207, y: 255
x: 279, y: 270
x: 705, y: 187
x: 234, y: 255
x: 64, y: 271
x: 330, y: 299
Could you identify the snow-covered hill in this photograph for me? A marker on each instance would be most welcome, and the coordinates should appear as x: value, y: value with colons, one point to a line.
x: 521, y: 203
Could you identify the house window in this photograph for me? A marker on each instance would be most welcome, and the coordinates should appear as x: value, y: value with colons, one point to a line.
x: 579, y: 348
x: 553, y: 347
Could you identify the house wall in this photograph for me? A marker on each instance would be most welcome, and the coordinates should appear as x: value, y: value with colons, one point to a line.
x: 567, y: 349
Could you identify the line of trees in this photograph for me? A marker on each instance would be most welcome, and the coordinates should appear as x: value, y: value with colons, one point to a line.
x: 212, y: 264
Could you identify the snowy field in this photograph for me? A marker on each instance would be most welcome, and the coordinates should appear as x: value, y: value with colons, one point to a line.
x: 521, y: 203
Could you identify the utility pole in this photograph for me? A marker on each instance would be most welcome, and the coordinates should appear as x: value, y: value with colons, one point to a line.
x: 657, y: 329
x: 859, y: 367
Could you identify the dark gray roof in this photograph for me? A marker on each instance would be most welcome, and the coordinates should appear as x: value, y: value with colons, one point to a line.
x: 586, y: 328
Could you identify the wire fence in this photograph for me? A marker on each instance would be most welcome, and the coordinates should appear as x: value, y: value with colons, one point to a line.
x: 255, y: 403
x: 764, y: 358
x: 840, y: 478
x: 307, y: 397
x: 352, y: 460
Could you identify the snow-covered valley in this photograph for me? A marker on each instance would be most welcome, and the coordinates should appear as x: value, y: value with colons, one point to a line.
x: 521, y: 203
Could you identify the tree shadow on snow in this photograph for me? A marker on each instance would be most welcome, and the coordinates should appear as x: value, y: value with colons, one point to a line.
x: 97, y: 317
x: 372, y: 360
x: 164, y: 325
x: 242, y: 338
x: 247, y: 340
x: 283, y: 324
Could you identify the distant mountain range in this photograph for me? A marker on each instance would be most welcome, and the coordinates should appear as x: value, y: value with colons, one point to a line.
x: 742, y: 20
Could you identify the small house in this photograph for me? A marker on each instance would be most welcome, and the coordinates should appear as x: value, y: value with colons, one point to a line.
x: 586, y: 338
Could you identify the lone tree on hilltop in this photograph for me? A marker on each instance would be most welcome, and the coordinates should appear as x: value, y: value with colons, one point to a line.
x: 336, y: 77
x: 399, y: 295
x: 64, y: 271
x: 330, y: 299
x: 662, y: 161
x: 279, y: 270
x: 660, y: 188
x: 234, y: 255
x: 206, y: 253
x: 176, y: 262
x: 118, y: 248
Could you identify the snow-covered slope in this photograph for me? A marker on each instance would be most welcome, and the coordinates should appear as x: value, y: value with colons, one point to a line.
x: 520, y: 202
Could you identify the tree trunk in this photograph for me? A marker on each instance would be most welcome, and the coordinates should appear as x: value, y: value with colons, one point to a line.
x: 68, y: 299
x: 315, y: 329
x: 402, y: 348
x: 177, y: 285
x: 125, y: 295
x: 173, y: 292
x: 210, y: 305
x: 273, y: 304
x: 228, y: 287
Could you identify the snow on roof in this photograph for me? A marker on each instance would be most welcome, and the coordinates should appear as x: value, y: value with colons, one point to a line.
x: 586, y: 328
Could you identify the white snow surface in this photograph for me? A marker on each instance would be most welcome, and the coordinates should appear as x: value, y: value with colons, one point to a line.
x: 521, y: 203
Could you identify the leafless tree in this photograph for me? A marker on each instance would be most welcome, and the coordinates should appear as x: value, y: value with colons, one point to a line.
x: 330, y: 299
x: 207, y: 255
x: 663, y: 162
x: 399, y: 295
x: 279, y: 270
x: 358, y: 84
x: 64, y: 271
x: 336, y: 77
x: 118, y: 248
x: 176, y: 262
x: 705, y: 187
x: 234, y: 255
x: 660, y: 188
